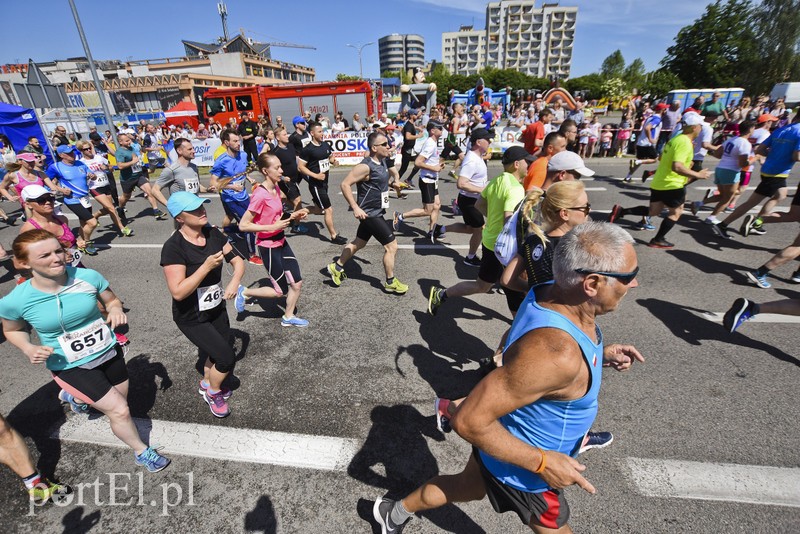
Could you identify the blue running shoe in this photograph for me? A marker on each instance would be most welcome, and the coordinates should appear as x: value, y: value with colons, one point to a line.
x: 596, y: 440
x: 150, y: 459
x: 741, y: 311
x: 758, y: 279
x: 239, y: 300
x: 77, y: 407
x: 294, y: 321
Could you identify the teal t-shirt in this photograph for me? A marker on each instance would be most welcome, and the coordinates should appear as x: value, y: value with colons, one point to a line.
x: 68, y: 321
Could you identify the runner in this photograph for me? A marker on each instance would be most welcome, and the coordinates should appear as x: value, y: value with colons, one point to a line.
x: 181, y: 175
x: 762, y: 131
x: 300, y: 137
x: 759, y: 276
x: 40, y: 203
x: 99, y: 186
x: 499, y: 199
x: 525, y: 437
x: 554, y: 142
x: 646, y: 143
x: 315, y: 163
x: 457, y: 126
x: 429, y: 165
x: 371, y: 178
x: 743, y: 310
x: 228, y: 176
x: 410, y: 136
x: 290, y: 181
x: 131, y: 175
x: 266, y: 219
x: 192, y: 260
x: 60, y: 303
x: 472, y: 179
x: 20, y: 175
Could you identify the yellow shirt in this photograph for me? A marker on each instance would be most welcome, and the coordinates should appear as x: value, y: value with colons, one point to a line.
x: 679, y: 148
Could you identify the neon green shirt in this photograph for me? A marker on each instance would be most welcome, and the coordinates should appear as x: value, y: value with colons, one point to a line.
x: 502, y: 194
x: 679, y: 148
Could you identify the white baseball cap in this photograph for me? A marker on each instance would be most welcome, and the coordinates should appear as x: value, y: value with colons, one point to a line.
x: 34, y: 191
x: 692, y: 119
x: 569, y: 161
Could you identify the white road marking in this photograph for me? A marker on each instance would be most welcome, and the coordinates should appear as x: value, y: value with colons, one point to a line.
x: 223, y: 443
x: 374, y: 243
x: 776, y: 486
x: 716, y: 317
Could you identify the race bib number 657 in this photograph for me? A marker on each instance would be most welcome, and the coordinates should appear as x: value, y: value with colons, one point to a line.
x: 94, y: 338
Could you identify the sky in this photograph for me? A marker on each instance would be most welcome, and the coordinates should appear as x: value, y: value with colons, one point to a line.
x: 154, y: 29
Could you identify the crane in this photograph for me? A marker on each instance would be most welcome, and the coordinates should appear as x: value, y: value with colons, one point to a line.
x: 281, y: 44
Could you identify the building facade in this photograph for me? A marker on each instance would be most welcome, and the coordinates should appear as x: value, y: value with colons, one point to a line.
x: 401, y: 52
x: 535, y: 40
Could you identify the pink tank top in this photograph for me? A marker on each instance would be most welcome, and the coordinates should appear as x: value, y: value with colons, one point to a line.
x: 67, y: 238
x: 22, y: 183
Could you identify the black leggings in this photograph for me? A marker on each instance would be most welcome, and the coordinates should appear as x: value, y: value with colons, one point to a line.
x: 408, y: 158
x: 213, y: 340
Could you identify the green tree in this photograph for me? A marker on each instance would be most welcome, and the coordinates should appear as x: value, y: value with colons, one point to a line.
x: 777, y: 24
x: 341, y: 77
x: 635, y: 73
x: 613, y: 66
x: 660, y: 82
x: 591, y: 83
x: 614, y: 89
x: 716, y: 49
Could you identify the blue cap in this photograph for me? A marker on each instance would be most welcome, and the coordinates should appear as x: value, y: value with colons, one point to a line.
x: 184, y: 201
x: 297, y: 119
x: 64, y: 149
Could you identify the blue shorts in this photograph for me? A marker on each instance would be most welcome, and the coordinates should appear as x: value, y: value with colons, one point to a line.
x: 726, y: 176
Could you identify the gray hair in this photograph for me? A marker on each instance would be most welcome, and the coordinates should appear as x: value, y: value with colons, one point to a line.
x: 596, y: 246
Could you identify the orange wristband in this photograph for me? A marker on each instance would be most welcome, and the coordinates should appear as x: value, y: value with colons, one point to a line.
x: 543, y: 464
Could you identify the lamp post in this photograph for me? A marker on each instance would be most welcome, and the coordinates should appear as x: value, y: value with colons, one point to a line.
x: 360, y: 66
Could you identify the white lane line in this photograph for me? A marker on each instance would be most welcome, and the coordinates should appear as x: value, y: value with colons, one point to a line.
x: 716, y: 317
x: 422, y: 246
x: 776, y: 486
x: 224, y: 443
x: 594, y: 188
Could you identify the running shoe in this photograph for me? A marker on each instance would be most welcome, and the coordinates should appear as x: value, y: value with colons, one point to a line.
x: 10, y: 221
x: 435, y: 299
x: 474, y: 261
x: 217, y: 403
x: 339, y: 240
x: 239, y: 300
x: 409, y: 183
x: 46, y: 490
x: 153, y: 461
x: 439, y: 231
x: 160, y: 215
x: 122, y: 339
x: 225, y: 392
x: 795, y: 277
x: 397, y: 219
x: 442, y: 417
x: 382, y: 512
x: 337, y: 276
x: 453, y: 174
x: 696, y: 205
x: 76, y: 406
x: 721, y: 231
x: 255, y: 260
x: 729, y: 208
x: 616, y: 213
x: 126, y: 232
x: 660, y: 243
x: 741, y: 311
x: 645, y: 225
x: 431, y: 236
x: 758, y: 279
x: 758, y: 229
x: 294, y: 321
x: 299, y: 229
x: 396, y: 286
x: 646, y: 175
x: 401, y: 185
x: 711, y: 220
x: 747, y: 225
x: 709, y: 193
x: 456, y: 209
x: 89, y: 249
x: 596, y: 440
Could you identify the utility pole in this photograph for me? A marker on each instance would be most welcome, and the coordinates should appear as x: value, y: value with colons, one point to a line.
x: 360, y: 66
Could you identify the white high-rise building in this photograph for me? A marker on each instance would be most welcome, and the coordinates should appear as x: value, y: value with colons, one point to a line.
x: 519, y: 36
x: 401, y: 52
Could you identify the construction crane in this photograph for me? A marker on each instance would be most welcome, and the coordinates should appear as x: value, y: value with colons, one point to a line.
x: 281, y: 44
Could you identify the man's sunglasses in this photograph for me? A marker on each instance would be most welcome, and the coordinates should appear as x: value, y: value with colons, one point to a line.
x: 625, y: 278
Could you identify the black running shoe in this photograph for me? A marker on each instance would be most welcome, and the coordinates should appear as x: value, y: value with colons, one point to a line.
x: 382, y: 512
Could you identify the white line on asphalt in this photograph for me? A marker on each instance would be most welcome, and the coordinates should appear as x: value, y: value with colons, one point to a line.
x: 760, y: 318
x: 776, y: 486
x: 222, y: 443
x: 412, y: 246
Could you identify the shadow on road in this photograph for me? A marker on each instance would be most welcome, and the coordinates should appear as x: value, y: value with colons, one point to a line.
x: 76, y: 523
x: 262, y: 517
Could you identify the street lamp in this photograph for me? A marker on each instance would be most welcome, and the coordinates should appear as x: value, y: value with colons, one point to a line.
x: 360, y: 48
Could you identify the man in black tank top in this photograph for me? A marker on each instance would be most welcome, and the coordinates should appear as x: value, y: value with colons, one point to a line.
x: 286, y: 153
x: 371, y: 178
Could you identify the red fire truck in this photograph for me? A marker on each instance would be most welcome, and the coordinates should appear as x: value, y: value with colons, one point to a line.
x: 287, y: 101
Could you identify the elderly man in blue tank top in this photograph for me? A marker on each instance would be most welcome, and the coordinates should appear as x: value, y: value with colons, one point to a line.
x: 526, y: 420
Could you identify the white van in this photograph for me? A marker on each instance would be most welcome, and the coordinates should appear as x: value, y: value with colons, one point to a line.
x: 789, y: 91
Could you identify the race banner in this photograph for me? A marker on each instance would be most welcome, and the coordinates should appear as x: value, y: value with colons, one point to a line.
x: 349, y: 148
x: 204, y: 151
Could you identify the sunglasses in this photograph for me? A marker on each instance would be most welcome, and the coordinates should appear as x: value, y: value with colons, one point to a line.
x: 625, y: 278
x: 382, y: 144
x: 43, y: 199
x: 585, y: 209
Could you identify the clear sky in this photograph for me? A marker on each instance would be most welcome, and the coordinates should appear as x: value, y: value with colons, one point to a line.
x: 148, y: 29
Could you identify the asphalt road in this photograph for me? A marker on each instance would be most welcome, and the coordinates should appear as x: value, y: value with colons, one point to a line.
x: 367, y: 369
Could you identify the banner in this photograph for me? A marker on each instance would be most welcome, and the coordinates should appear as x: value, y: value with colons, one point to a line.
x: 169, y: 98
x: 349, y: 148
x: 203, y: 151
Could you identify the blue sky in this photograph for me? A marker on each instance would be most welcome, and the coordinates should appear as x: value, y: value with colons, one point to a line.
x: 154, y: 29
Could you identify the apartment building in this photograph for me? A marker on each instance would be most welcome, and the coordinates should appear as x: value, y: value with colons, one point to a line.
x: 401, y: 52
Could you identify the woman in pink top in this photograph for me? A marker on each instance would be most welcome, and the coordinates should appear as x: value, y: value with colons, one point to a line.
x: 20, y: 175
x: 265, y: 216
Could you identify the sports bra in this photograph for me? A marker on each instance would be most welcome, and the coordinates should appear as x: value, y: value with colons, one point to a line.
x: 67, y: 238
x: 22, y: 183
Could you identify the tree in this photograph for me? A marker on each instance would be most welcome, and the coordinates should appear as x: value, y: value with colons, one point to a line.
x: 634, y: 73
x: 614, y: 89
x: 591, y: 84
x: 659, y: 83
x: 613, y: 66
x: 346, y: 77
x: 716, y: 49
x: 777, y: 24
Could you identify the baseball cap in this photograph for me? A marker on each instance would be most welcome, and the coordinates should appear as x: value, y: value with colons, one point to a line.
x: 568, y: 161
x: 30, y: 157
x: 761, y: 120
x: 297, y: 119
x: 516, y: 153
x: 181, y: 201
x: 34, y: 191
x: 64, y: 149
x: 480, y: 133
x: 379, y: 124
x: 661, y: 106
x: 94, y: 136
x: 692, y: 119
x: 435, y: 124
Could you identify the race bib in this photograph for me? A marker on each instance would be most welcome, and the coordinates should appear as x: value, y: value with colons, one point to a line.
x: 74, y: 257
x: 100, y: 180
x: 209, y: 297
x: 385, y: 200
x: 305, y: 141
x: 86, y: 202
x: 192, y: 185
x: 95, y: 338
x: 324, y: 165
x: 137, y: 167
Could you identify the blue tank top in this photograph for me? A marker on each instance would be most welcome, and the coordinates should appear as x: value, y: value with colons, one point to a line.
x: 552, y: 425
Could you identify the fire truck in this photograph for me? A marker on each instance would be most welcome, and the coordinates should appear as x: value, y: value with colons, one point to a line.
x: 287, y: 101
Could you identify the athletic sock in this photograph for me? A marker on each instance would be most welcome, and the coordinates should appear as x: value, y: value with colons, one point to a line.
x: 637, y: 162
x: 31, y: 481
x: 666, y: 226
x: 761, y: 271
x: 642, y: 211
x: 470, y: 256
x: 443, y: 295
x: 399, y: 514
x: 337, y: 266
x: 211, y: 391
x: 390, y: 281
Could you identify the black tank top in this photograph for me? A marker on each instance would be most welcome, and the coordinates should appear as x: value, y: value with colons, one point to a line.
x: 373, y: 194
